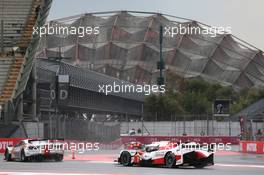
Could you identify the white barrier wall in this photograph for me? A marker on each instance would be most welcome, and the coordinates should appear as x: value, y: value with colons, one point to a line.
x: 33, y: 129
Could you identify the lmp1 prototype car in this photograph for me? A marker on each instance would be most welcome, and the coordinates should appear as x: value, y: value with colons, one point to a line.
x: 35, y: 149
x: 166, y: 154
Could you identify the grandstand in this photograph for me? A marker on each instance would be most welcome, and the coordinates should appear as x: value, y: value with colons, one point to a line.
x: 18, y: 46
x: 128, y: 48
x: 17, y: 51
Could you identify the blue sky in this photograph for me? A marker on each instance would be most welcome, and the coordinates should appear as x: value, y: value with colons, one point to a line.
x: 246, y: 17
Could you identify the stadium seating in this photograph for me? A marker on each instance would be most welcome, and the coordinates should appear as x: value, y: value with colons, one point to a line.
x: 15, y: 16
x: 10, y: 78
x: 26, y: 37
x: 19, y: 21
x: 5, y: 64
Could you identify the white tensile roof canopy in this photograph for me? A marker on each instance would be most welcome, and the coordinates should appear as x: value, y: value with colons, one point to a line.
x: 128, y: 48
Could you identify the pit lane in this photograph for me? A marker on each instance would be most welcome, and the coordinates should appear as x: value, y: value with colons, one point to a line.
x: 102, y: 163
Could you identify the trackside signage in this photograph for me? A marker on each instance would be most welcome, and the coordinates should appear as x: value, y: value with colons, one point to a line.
x: 252, y: 147
x: 4, y: 142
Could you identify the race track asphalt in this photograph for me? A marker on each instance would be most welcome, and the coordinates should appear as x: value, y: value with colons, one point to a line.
x: 102, y: 163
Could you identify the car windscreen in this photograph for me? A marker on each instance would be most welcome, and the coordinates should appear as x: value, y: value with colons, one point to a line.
x: 38, y: 142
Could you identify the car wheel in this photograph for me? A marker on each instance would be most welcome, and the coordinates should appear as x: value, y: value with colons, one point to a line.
x: 40, y: 158
x: 31, y: 159
x: 23, y: 157
x: 170, y: 160
x: 58, y: 157
x: 125, y: 158
x: 7, y: 155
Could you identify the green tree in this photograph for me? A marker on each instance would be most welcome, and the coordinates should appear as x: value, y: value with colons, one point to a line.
x: 195, y: 96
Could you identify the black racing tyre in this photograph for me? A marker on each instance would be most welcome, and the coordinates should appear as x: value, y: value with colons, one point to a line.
x: 125, y: 158
x: 30, y: 159
x: 170, y: 160
x: 39, y: 158
x: 7, y: 155
x: 58, y: 157
x: 23, y: 157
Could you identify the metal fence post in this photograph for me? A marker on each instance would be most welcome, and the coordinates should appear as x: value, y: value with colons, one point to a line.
x: 213, y: 124
x: 229, y: 125
x: 127, y: 123
x: 184, y: 126
x: 142, y: 119
x: 175, y: 126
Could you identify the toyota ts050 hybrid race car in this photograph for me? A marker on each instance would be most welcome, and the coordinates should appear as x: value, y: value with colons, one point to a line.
x: 35, y: 149
x: 166, y: 154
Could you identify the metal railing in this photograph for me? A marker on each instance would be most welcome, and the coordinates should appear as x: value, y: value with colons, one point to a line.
x: 188, y: 125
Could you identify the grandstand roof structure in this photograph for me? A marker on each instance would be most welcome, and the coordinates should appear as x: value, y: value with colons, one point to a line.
x: 84, y: 92
x: 253, y: 111
x: 128, y: 48
x: 86, y: 79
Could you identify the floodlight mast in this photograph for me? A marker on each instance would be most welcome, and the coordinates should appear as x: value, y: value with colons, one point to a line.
x: 160, y: 63
x: 161, y: 41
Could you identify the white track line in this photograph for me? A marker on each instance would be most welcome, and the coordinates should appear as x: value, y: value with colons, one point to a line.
x: 105, y: 162
x: 48, y: 173
x: 240, y: 165
x: 218, y: 164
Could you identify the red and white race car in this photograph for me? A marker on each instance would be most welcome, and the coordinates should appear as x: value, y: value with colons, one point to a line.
x: 168, y: 154
x: 35, y: 149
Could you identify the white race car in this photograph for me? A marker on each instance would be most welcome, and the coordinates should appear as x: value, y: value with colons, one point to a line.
x: 168, y: 154
x: 35, y: 149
